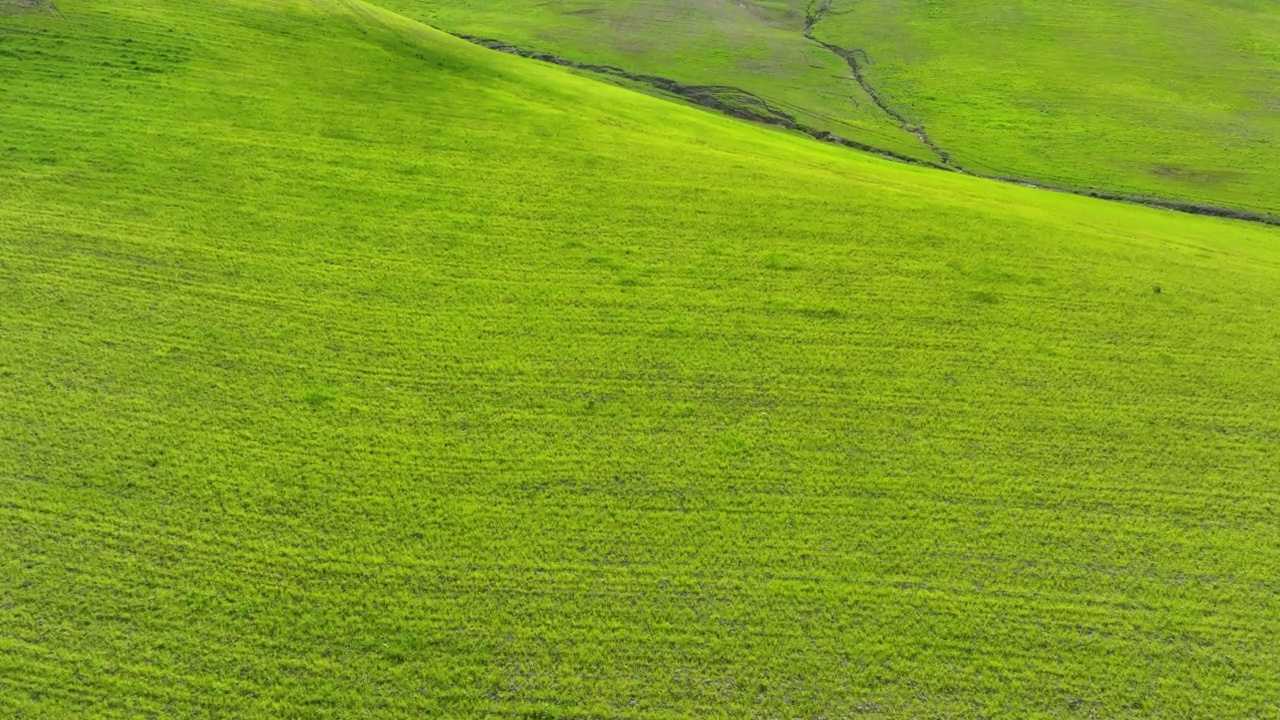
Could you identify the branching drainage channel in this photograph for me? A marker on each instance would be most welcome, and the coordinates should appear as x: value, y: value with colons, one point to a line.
x: 813, y: 16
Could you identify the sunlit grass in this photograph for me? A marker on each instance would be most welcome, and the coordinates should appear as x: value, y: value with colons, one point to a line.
x: 349, y: 370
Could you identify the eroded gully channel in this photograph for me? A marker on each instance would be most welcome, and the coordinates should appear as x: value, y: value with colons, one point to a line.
x: 813, y: 15
x: 746, y: 105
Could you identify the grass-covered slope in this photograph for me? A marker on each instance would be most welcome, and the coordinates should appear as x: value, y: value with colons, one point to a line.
x: 1171, y: 99
x: 349, y: 370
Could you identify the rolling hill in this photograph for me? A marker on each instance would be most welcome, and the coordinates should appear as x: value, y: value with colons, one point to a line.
x: 351, y: 370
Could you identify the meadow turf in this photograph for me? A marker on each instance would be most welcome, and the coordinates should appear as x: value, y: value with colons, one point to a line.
x: 1172, y: 99
x: 351, y: 370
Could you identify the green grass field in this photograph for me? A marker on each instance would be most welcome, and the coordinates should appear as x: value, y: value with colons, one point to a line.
x: 351, y: 370
x: 1173, y: 99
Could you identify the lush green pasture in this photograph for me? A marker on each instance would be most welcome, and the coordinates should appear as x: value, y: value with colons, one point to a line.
x: 349, y: 370
x: 1176, y: 99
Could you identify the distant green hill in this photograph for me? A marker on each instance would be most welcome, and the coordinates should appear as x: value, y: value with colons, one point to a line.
x: 351, y: 370
x: 758, y: 47
x: 1176, y: 99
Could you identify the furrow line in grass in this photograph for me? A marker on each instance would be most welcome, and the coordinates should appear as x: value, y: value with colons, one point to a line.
x: 75, y: 265
x: 45, y: 667
x: 248, y: 552
x: 812, y: 392
x: 791, y: 384
x: 1111, y: 497
x: 545, y: 348
x: 86, y: 273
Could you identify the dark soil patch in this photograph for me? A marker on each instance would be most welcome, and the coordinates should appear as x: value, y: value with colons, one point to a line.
x: 26, y: 7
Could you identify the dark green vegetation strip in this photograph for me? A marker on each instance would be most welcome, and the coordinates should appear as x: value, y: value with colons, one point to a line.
x: 350, y: 370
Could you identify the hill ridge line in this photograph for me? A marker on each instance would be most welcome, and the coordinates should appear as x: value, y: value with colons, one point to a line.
x: 764, y: 113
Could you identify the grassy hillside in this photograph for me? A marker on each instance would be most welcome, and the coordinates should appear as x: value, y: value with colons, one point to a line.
x: 350, y: 370
x: 1176, y: 99
x: 756, y: 46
